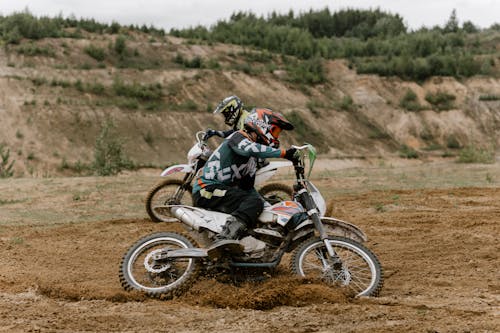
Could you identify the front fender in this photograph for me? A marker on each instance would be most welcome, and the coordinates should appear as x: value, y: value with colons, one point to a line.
x: 186, y: 168
x: 344, y: 229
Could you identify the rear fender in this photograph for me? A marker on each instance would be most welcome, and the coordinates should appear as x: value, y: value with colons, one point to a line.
x: 185, y: 168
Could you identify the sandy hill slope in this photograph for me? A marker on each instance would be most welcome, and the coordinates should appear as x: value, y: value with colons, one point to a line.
x: 57, y: 94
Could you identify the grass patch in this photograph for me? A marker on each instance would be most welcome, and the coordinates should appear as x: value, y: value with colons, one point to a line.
x: 32, y: 50
x: 489, y: 97
x: 407, y: 152
x: 410, y: 102
x: 474, y: 154
x: 346, y: 104
x: 10, y: 202
x: 195, y: 62
x: 17, y: 240
x: 440, y: 101
x: 78, y: 167
x: 95, y: 52
x: 137, y: 90
x: 6, y: 164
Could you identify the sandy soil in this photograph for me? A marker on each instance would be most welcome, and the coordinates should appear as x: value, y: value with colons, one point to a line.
x: 439, y: 249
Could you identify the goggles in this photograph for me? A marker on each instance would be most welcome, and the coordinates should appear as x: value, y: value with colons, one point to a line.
x: 275, y: 131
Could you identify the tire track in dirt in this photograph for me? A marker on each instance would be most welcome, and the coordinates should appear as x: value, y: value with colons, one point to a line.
x: 439, y: 249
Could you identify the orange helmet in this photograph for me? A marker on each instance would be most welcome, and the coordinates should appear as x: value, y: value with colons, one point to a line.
x: 268, y: 125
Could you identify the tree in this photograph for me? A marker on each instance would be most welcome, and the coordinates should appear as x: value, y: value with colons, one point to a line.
x: 469, y: 27
x: 452, y: 24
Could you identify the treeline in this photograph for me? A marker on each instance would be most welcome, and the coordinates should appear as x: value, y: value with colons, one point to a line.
x: 25, y: 25
x: 374, y: 41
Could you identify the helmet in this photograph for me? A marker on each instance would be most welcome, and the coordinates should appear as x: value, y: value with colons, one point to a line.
x: 267, y: 125
x: 230, y: 107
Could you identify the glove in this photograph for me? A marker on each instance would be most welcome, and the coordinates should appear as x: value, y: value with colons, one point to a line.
x: 290, y: 155
x: 209, y: 133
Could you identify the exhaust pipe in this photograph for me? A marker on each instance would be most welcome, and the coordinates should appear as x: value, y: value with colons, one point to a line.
x: 185, y: 216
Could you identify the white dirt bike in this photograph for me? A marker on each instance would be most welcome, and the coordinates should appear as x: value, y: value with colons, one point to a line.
x: 166, y: 264
x: 173, y: 191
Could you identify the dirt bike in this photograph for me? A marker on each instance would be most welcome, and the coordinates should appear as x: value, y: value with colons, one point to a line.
x: 173, y: 191
x: 166, y: 264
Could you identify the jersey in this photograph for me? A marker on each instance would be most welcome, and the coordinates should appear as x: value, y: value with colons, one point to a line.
x: 240, y: 125
x: 234, y: 160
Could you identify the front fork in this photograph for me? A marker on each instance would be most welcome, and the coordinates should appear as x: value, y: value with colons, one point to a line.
x: 313, y: 213
x: 179, y: 193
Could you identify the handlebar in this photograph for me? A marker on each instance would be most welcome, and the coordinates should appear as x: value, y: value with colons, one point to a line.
x: 199, y: 136
x: 300, y: 165
x: 301, y: 147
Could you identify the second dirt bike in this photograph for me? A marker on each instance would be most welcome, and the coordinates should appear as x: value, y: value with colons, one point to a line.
x: 166, y: 264
x: 173, y: 191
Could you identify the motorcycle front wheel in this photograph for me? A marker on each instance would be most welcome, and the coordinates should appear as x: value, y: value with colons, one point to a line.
x: 166, y: 193
x: 355, y: 267
x: 139, y: 270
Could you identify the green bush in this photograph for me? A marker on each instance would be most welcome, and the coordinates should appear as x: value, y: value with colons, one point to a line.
x: 452, y: 142
x: 35, y: 50
x: 473, y: 154
x: 195, y: 62
x: 440, y: 100
x: 6, y: 164
x: 407, y: 152
x: 120, y: 45
x: 79, y: 167
x: 309, y: 71
x: 346, y: 104
x: 410, y: 101
x: 137, y: 90
x: 95, y: 52
x: 489, y: 97
x: 109, y: 157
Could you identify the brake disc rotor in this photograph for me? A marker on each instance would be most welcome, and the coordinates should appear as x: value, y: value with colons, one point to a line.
x: 152, y: 265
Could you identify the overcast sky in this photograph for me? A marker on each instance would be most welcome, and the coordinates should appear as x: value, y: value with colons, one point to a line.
x: 169, y: 14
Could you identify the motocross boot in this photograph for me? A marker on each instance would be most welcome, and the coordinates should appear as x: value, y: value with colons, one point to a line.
x: 226, y: 241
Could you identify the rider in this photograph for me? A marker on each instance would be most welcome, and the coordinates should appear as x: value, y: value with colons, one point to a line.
x: 227, y: 180
x: 234, y: 115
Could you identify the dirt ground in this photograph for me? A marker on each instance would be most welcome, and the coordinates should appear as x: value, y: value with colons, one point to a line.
x: 439, y: 249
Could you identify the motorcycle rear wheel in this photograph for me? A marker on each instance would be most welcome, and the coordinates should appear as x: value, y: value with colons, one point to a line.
x: 360, y: 269
x: 163, y: 194
x: 276, y: 192
x: 166, y: 278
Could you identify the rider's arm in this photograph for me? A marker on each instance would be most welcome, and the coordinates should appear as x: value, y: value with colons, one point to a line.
x: 245, y: 147
x: 225, y: 134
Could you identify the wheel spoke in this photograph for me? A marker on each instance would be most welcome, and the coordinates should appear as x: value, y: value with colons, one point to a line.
x: 357, y: 268
x: 149, y: 279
